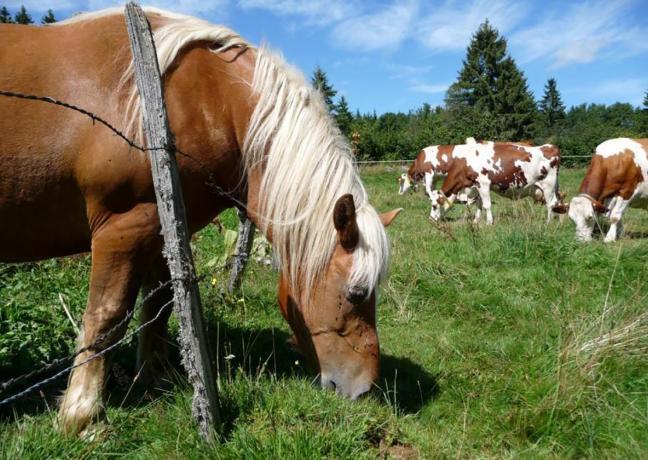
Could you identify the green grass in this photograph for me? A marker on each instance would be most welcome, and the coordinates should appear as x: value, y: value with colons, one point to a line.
x: 486, y: 335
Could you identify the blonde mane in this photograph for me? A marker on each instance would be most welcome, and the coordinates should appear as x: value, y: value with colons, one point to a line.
x: 307, y: 162
x: 308, y: 167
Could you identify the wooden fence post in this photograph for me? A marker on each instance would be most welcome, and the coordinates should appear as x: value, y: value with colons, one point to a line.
x: 168, y: 192
x: 242, y: 251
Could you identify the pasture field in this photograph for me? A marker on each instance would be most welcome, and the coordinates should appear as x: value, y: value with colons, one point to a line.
x: 488, y: 334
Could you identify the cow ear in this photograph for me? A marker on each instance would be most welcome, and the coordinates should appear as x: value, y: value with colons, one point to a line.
x: 599, y: 207
x: 344, y: 219
x: 388, y: 217
x: 561, y: 208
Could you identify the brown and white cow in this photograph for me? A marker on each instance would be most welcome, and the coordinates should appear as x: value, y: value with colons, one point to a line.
x: 431, y: 163
x: 616, y: 178
x: 509, y: 169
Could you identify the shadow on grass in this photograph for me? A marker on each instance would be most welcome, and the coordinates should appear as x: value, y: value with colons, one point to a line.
x: 264, y: 352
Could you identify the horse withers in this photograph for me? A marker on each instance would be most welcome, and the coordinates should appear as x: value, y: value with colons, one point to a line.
x: 250, y: 132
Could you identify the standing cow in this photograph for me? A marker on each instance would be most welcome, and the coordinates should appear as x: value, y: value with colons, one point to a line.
x: 616, y: 179
x: 509, y: 169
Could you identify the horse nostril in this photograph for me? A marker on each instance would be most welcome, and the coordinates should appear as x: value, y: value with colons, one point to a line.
x: 356, y: 295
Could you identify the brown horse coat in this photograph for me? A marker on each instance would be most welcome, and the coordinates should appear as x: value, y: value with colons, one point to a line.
x: 69, y: 186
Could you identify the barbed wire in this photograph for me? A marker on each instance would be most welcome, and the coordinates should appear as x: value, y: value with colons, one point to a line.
x: 57, y: 362
x: 42, y: 383
x: 97, y: 342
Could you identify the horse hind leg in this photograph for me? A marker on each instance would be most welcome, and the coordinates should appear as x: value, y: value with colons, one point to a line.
x: 153, y: 341
x: 121, y: 250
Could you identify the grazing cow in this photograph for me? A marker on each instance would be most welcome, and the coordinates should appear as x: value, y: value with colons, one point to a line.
x: 432, y: 162
x: 509, y: 169
x: 616, y: 179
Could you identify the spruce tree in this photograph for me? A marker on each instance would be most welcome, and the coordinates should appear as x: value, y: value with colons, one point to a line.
x: 490, y: 98
x: 343, y: 116
x: 48, y: 18
x: 644, y: 112
x: 5, y: 16
x: 551, y: 105
x: 320, y: 82
x: 23, y: 17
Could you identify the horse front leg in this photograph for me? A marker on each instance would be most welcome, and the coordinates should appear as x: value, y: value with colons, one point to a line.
x: 121, y: 250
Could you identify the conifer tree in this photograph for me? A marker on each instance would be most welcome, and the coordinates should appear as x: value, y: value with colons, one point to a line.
x: 23, y: 17
x: 49, y: 18
x: 320, y: 82
x: 644, y: 113
x: 5, y: 16
x: 343, y: 116
x: 490, y: 98
x: 551, y: 105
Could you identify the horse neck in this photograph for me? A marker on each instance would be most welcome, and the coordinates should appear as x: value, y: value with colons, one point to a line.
x: 210, y: 104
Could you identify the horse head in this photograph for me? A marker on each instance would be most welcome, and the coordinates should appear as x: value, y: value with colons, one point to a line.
x: 334, y: 322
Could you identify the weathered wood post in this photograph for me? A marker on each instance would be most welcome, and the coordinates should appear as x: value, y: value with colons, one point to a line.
x: 168, y: 192
x: 242, y: 251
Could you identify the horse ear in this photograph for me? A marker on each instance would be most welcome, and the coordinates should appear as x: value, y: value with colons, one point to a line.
x: 387, y: 217
x: 344, y: 219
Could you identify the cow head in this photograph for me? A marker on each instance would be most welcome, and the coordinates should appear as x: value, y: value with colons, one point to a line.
x: 440, y: 204
x: 581, y: 211
x: 404, y: 184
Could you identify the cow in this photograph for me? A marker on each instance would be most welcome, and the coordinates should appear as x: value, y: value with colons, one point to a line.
x: 509, y: 169
x: 616, y: 178
x: 431, y: 163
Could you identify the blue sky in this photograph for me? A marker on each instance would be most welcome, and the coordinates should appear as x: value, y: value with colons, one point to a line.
x: 396, y: 55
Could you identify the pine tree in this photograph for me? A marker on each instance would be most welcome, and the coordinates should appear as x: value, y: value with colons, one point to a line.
x: 5, y: 16
x: 644, y: 111
x: 343, y: 116
x: 48, y: 18
x: 490, y: 98
x: 551, y: 105
x: 320, y: 82
x: 23, y: 17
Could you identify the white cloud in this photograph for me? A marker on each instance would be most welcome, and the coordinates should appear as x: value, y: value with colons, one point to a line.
x: 630, y: 90
x: 582, y: 33
x: 385, y: 29
x: 399, y: 71
x: 433, y: 88
x: 450, y: 27
x: 315, y: 12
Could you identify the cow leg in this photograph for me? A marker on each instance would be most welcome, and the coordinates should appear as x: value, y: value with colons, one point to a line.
x: 478, y: 203
x: 484, y: 196
x: 429, y: 182
x: 121, y: 249
x: 153, y: 342
x: 548, y: 189
x: 616, y: 213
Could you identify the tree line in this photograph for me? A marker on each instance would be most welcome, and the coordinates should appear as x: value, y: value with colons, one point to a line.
x: 490, y: 100
x: 23, y: 17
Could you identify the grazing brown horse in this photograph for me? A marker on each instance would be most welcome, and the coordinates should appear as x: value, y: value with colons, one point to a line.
x: 250, y: 131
